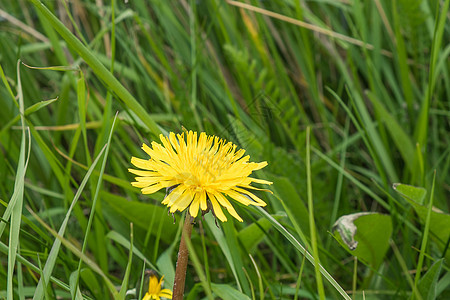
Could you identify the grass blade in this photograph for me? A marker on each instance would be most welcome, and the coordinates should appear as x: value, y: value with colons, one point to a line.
x: 312, y: 224
x: 53, y: 255
x: 98, y: 68
x: 15, y: 204
x: 302, y: 250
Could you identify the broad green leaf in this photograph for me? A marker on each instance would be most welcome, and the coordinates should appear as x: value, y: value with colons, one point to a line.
x: 166, y: 267
x: 439, y: 221
x: 74, y: 290
x: 428, y: 283
x: 225, y: 291
x: 286, y: 191
x: 221, y: 240
x: 231, y: 239
x: 141, y: 214
x: 365, y: 235
x: 442, y: 285
x: 91, y: 281
x: 411, y: 193
x: 253, y: 234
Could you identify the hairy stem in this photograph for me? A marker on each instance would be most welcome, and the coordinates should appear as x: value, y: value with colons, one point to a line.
x: 182, y: 260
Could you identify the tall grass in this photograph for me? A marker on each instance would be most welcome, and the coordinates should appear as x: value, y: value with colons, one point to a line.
x: 369, y: 79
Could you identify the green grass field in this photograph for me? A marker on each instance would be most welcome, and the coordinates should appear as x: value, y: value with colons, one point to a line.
x: 348, y: 102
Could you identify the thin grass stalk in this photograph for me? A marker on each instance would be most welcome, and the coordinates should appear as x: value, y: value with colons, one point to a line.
x: 98, y: 68
x: 312, y: 224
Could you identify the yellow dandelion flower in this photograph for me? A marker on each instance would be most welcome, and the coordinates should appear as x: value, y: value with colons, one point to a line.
x: 197, y: 172
x: 154, y: 289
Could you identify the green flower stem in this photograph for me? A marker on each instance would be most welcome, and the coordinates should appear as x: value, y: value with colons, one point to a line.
x: 182, y: 260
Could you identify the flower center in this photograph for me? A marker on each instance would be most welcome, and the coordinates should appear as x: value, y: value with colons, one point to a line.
x: 204, y: 168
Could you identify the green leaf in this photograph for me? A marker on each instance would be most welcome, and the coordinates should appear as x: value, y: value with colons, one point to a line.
x: 365, y: 235
x: 285, y: 190
x: 410, y: 193
x: 91, y: 282
x: 141, y: 214
x: 166, y: 267
x: 253, y: 234
x: 223, y: 244
x: 428, y: 283
x: 439, y: 221
x: 224, y: 291
x: 74, y: 290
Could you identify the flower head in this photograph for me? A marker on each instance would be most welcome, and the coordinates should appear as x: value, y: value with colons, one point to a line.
x: 154, y: 289
x: 198, y: 171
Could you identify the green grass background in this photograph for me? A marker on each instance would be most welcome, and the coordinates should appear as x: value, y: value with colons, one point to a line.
x: 341, y: 98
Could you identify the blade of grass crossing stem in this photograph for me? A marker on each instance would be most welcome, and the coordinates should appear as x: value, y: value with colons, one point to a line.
x: 312, y: 225
x: 94, y: 267
x: 294, y: 222
x: 301, y: 249
x: 98, y: 68
x: 260, y: 283
x: 126, y: 277
x: 51, y: 260
x: 425, y: 235
x: 15, y: 204
x: 422, y: 122
x: 250, y: 283
x: 97, y: 191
